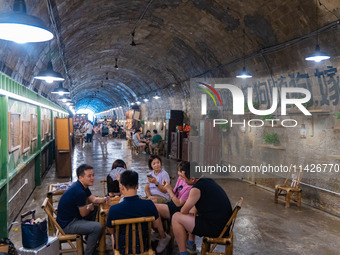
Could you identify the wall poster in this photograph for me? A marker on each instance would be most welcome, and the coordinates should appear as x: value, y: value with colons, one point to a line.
x: 13, y: 131
x: 26, y: 136
x: 34, y: 127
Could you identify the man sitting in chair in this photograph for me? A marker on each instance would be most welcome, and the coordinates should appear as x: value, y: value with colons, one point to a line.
x: 155, y: 140
x: 205, y: 213
x: 132, y: 207
x: 72, y: 208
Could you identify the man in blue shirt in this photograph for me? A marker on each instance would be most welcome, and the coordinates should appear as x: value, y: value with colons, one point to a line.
x: 133, y: 207
x: 72, y: 208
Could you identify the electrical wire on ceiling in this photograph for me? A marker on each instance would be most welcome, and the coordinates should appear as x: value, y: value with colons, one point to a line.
x: 325, y: 7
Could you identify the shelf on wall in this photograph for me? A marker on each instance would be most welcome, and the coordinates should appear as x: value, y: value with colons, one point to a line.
x: 334, y: 156
x: 275, y: 125
x: 298, y: 112
x: 274, y: 147
x: 318, y: 111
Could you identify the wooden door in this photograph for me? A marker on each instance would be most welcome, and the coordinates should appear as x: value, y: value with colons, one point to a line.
x: 63, y: 147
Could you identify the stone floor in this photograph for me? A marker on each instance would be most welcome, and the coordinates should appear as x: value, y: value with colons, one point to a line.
x: 262, y: 227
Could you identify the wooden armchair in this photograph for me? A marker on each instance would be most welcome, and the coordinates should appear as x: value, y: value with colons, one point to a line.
x: 227, y: 241
x: 159, y: 149
x: 290, y: 188
x: 63, y: 238
x: 132, y: 223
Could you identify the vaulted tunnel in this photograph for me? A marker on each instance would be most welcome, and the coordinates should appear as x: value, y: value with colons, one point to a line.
x: 175, y: 41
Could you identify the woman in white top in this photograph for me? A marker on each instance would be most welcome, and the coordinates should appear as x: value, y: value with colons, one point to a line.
x: 138, y: 141
x: 154, y: 189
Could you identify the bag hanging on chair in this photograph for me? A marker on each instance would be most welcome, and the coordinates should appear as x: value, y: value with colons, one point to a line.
x: 33, y: 234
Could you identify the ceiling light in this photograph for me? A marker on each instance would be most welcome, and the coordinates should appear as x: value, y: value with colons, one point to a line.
x: 133, y: 39
x: 132, y: 103
x: 244, y: 74
x: 49, y: 75
x: 317, y: 56
x: 116, y: 65
x: 137, y: 102
x: 65, y: 99
x: 19, y: 27
x: 156, y: 97
x: 60, y: 90
x: 145, y: 99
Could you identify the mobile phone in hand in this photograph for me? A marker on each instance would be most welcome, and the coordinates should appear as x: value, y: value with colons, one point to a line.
x: 149, y: 176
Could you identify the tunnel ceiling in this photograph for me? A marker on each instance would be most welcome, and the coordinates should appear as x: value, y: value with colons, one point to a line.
x: 176, y: 40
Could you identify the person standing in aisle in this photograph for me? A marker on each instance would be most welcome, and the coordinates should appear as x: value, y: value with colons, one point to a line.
x: 88, y: 130
x: 104, y: 127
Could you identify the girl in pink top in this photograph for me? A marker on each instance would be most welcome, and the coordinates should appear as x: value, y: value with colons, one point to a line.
x: 178, y: 195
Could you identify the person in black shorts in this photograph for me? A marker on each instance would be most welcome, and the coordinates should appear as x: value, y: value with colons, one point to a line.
x: 178, y: 197
x: 205, y: 213
x: 105, y: 131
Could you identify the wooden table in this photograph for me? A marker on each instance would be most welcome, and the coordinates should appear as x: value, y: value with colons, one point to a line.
x: 103, y: 211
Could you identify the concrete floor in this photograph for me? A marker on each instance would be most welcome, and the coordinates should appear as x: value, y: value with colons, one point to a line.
x: 262, y: 227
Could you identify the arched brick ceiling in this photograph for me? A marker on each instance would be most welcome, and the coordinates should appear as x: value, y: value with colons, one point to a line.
x: 176, y: 40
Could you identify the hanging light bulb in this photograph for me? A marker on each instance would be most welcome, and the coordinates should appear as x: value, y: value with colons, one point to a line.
x: 156, y: 97
x: 60, y: 90
x: 145, y: 100
x: 132, y: 103
x: 244, y: 74
x: 65, y: 99
x: 19, y: 27
x: 49, y: 75
x: 317, y: 56
x: 133, y: 39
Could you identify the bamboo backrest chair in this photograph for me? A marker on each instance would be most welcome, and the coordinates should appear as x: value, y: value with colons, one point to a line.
x: 134, y: 147
x: 133, y: 223
x: 103, y: 182
x: 221, y: 240
x: 290, y: 188
x: 159, y: 149
x: 63, y: 238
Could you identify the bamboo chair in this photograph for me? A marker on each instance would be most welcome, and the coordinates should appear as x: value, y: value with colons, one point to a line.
x: 103, y: 182
x: 227, y: 241
x: 133, y: 222
x: 134, y: 147
x: 63, y: 238
x: 159, y: 149
x: 289, y: 189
